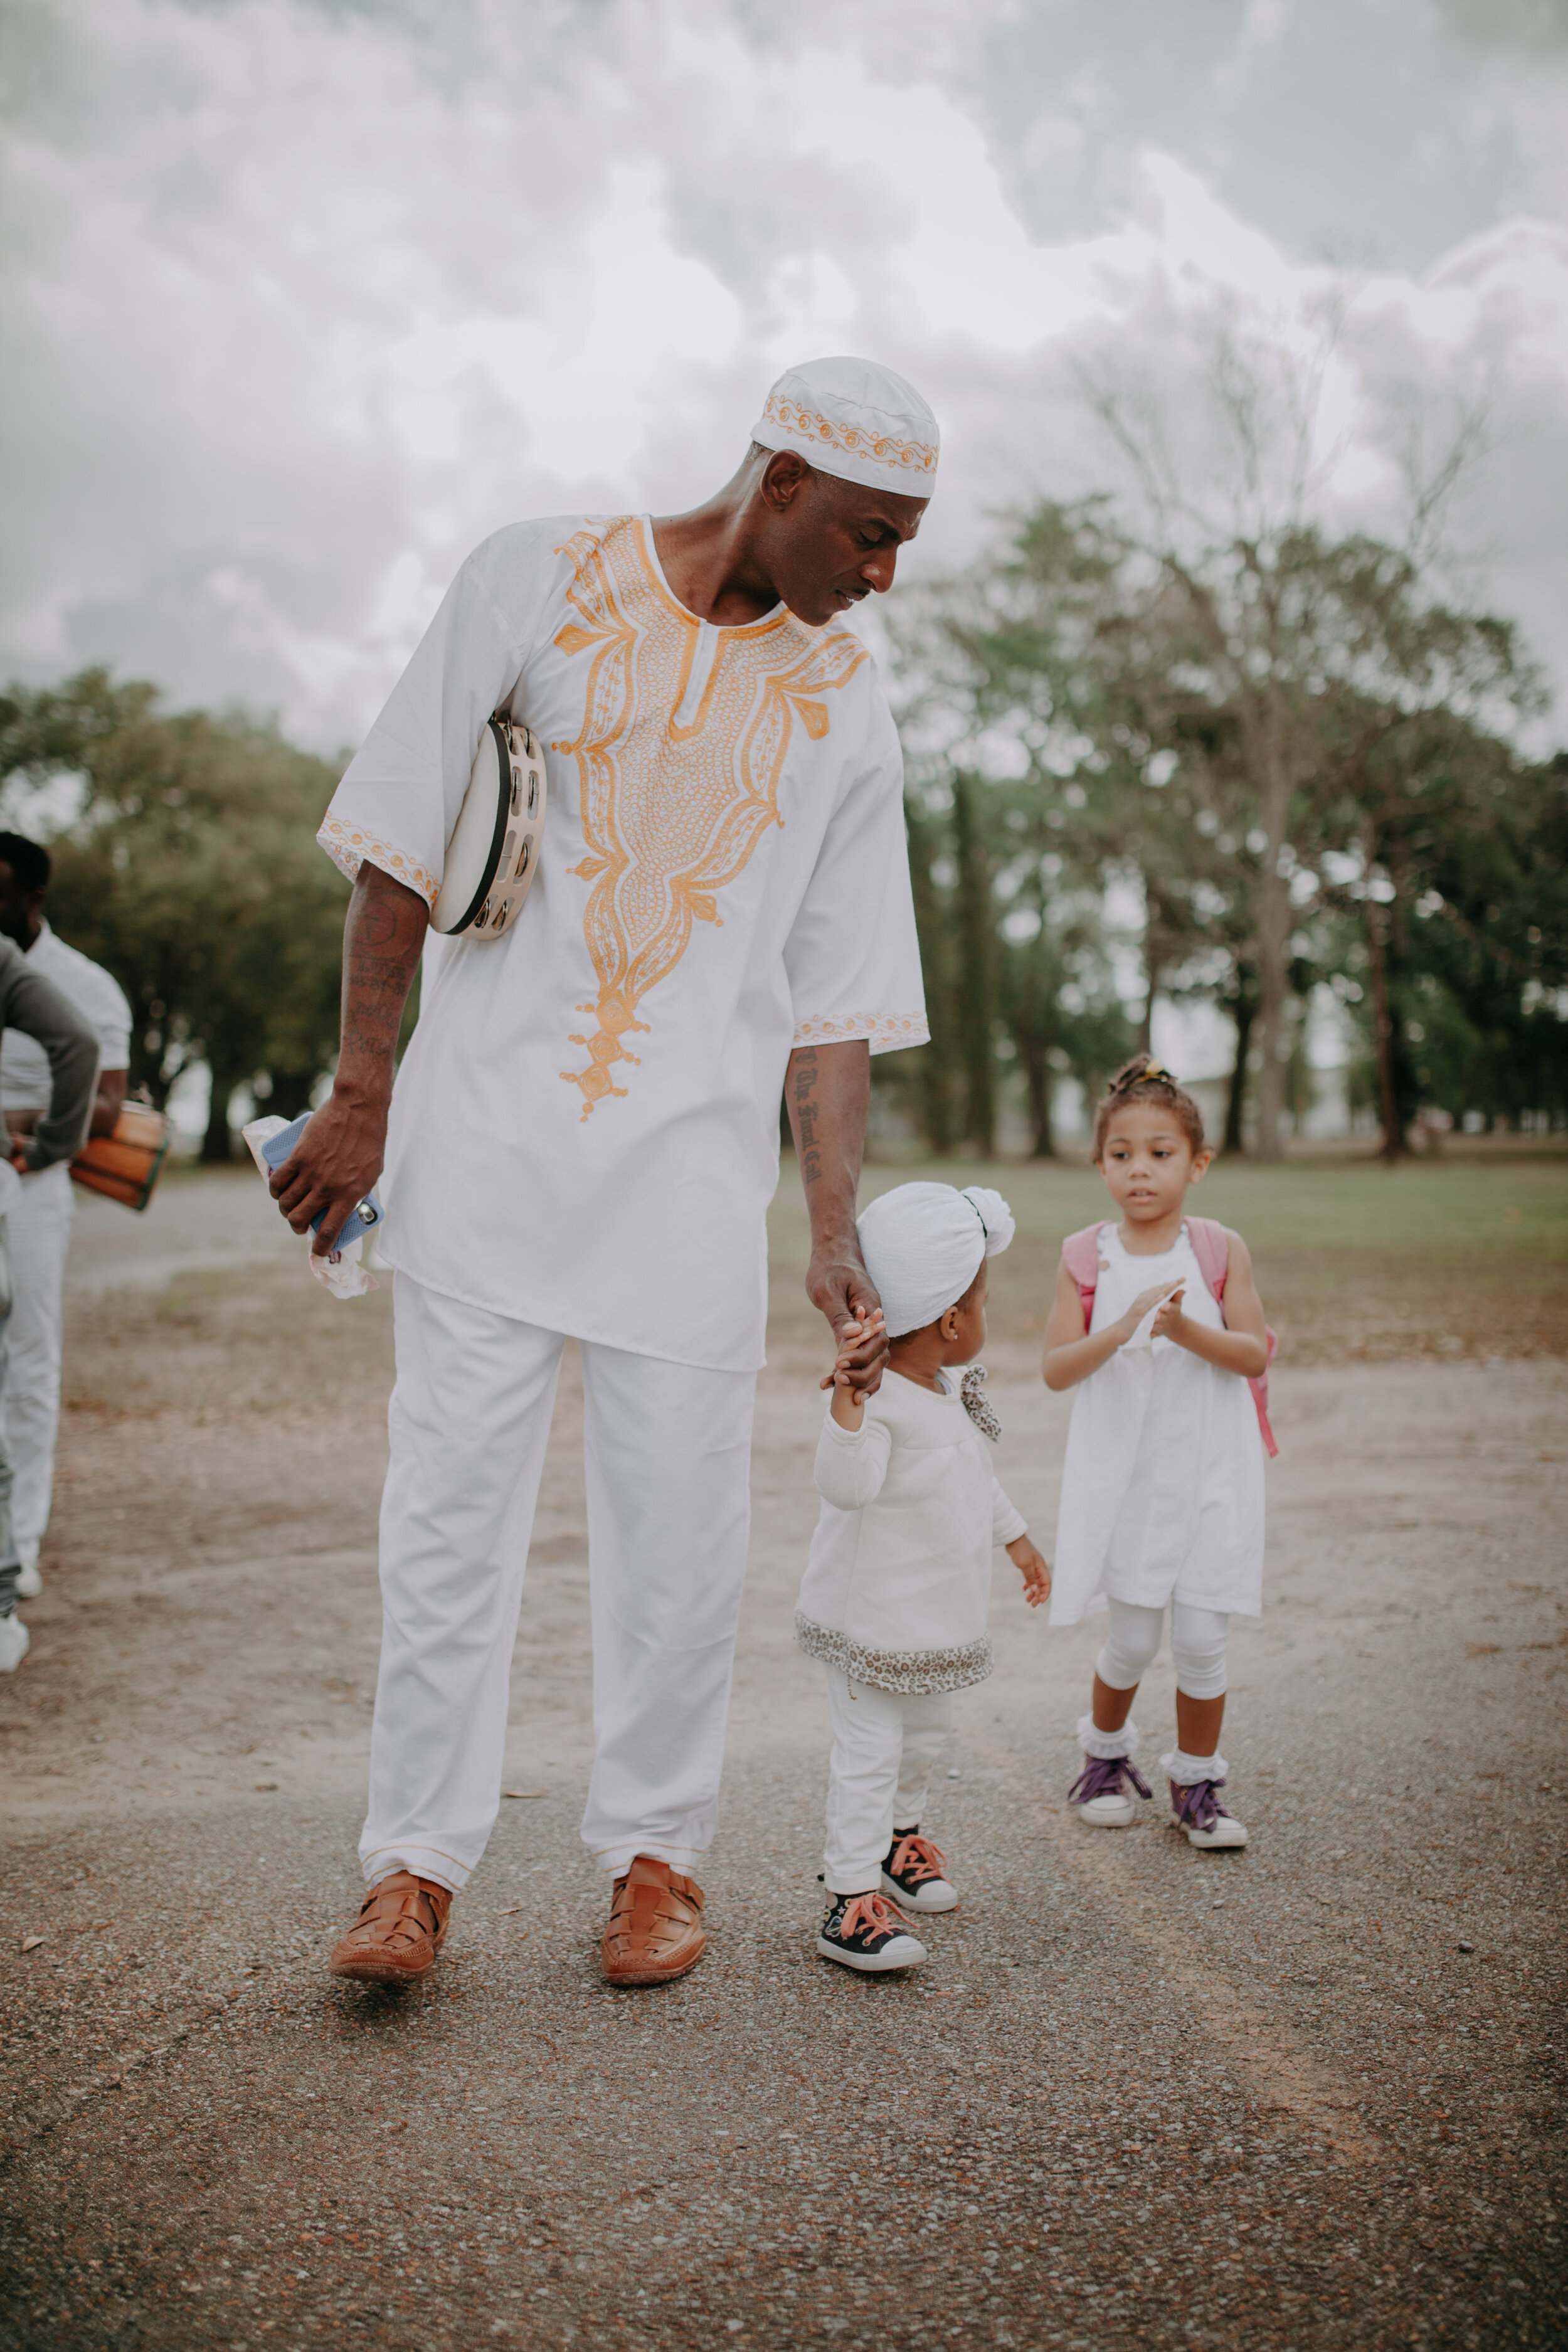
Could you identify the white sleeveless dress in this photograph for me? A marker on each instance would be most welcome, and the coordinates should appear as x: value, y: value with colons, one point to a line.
x: 1162, y: 1485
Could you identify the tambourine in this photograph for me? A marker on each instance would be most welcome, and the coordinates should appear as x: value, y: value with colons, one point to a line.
x: 493, y: 854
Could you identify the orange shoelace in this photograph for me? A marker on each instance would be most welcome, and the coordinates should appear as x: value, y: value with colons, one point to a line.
x: 871, y: 1915
x: 917, y: 1858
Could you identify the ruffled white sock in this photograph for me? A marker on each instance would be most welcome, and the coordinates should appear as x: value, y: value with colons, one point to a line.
x: 1108, y: 1746
x: 1185, y: 1771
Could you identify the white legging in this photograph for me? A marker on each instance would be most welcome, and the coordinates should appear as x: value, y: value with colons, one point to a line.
x: 1197, y: 1647
x: 884, y: 1745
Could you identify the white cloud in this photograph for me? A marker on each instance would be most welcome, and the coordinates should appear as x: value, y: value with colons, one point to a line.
x: 303, y: 299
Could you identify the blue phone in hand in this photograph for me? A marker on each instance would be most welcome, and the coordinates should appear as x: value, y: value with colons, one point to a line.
x: 280, y: 1146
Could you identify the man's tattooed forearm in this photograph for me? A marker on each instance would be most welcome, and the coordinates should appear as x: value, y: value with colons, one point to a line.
x: 383, y: 973
x: 387, y: 915
x: 384, y: 932
x: 806, y: 1110
x: 373, y: 1020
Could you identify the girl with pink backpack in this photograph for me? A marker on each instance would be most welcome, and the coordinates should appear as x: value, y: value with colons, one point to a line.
x: 1157, y: 1324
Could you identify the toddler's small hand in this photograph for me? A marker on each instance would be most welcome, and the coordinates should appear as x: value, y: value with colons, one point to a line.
x: 1034, y: 1568
x: 850, y: 1340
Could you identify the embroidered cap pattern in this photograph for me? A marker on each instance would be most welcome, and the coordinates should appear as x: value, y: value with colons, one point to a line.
x: 918, y: 457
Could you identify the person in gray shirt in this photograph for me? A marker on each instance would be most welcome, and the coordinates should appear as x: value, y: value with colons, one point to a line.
x: 33, y: 1004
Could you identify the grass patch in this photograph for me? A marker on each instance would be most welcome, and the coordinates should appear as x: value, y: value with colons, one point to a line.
x: 1439, y: 1259
x: 1355, y: 1262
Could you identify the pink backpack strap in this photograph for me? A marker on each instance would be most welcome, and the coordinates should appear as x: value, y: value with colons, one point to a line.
x: 1211, y: 1247
x: 1080, y: 1255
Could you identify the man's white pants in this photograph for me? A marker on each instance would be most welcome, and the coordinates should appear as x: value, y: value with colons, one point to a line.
x: 884, y: 1745
x: 667, y: 1456
x: 39, y: 1231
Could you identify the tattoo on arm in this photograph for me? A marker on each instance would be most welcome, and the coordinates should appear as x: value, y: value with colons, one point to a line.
x: 377, y: 920
x: 828, y: 1091
x: 804, y: 1110
x: 382, y: 939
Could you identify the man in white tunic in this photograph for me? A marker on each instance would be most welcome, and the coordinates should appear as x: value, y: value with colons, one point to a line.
x: 583, y: 1138
x: 39, y: 1225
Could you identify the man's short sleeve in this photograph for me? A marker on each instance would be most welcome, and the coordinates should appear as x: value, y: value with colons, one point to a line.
x: 853, y: 958
x: 25, y: 1080
x: 401, y: 793
x: 106, y: 1007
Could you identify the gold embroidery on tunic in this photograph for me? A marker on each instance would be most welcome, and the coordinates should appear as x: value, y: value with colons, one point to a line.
x: 350, y: 846
x: 884, y: 1029
x: 671, y: 815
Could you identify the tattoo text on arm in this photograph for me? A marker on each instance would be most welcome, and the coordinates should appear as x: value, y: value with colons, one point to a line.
x: 386, y: 932
x: 807, y: 1110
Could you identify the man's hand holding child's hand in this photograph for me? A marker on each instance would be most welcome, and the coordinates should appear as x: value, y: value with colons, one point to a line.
x: 1034, y: 1568
x: 849, y: 1398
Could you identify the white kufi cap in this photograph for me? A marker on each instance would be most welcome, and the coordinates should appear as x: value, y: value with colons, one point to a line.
x: 854, y: 419
x: 922, y: 1245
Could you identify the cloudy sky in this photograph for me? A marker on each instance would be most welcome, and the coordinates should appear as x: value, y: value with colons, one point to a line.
x: 305, y: 297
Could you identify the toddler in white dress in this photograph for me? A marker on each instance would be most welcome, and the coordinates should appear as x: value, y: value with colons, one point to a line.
x: 1161, y: 1498
x: 898, y: 1588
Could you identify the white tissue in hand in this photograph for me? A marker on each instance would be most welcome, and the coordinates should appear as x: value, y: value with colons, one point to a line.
x: 341, y: 1272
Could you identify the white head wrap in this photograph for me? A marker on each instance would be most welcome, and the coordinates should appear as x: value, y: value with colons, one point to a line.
x: 922, y: 1245
x: 854, y: 419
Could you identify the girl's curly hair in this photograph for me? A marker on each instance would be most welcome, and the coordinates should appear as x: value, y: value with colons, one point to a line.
x: 1141, y: 1080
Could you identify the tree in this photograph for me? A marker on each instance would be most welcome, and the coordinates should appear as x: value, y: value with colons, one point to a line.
x: 191, y: 872
x: 1314, y: 648
x: 1216, y: 723
x: 1012, y: 843
x: 974, y: 959
x: 1458, y: 892
x: 1062, y: 1014
x: 927, y: 1074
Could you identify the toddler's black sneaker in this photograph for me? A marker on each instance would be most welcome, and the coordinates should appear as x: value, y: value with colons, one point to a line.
x: 914, y: 1871
x: 867, y: 1932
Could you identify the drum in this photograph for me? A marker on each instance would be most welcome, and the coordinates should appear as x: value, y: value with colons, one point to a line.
x: 493, y: 854
x: 124, y: 1164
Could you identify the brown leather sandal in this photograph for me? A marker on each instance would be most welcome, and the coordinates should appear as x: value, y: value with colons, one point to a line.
x: 655, y: 1932
x: 401, y: 1927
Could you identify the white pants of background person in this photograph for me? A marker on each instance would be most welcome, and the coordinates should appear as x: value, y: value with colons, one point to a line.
x: 14, y: 1643
x: 667, y: 1451
x: 39, y: 1231
x: 884, y: 1745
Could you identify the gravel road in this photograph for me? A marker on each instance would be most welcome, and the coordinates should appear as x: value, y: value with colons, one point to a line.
x: 1303, y: 2095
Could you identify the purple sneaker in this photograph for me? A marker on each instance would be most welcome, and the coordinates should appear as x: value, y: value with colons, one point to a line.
x: 1099, y: 1793
x: 1198, y: 1810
